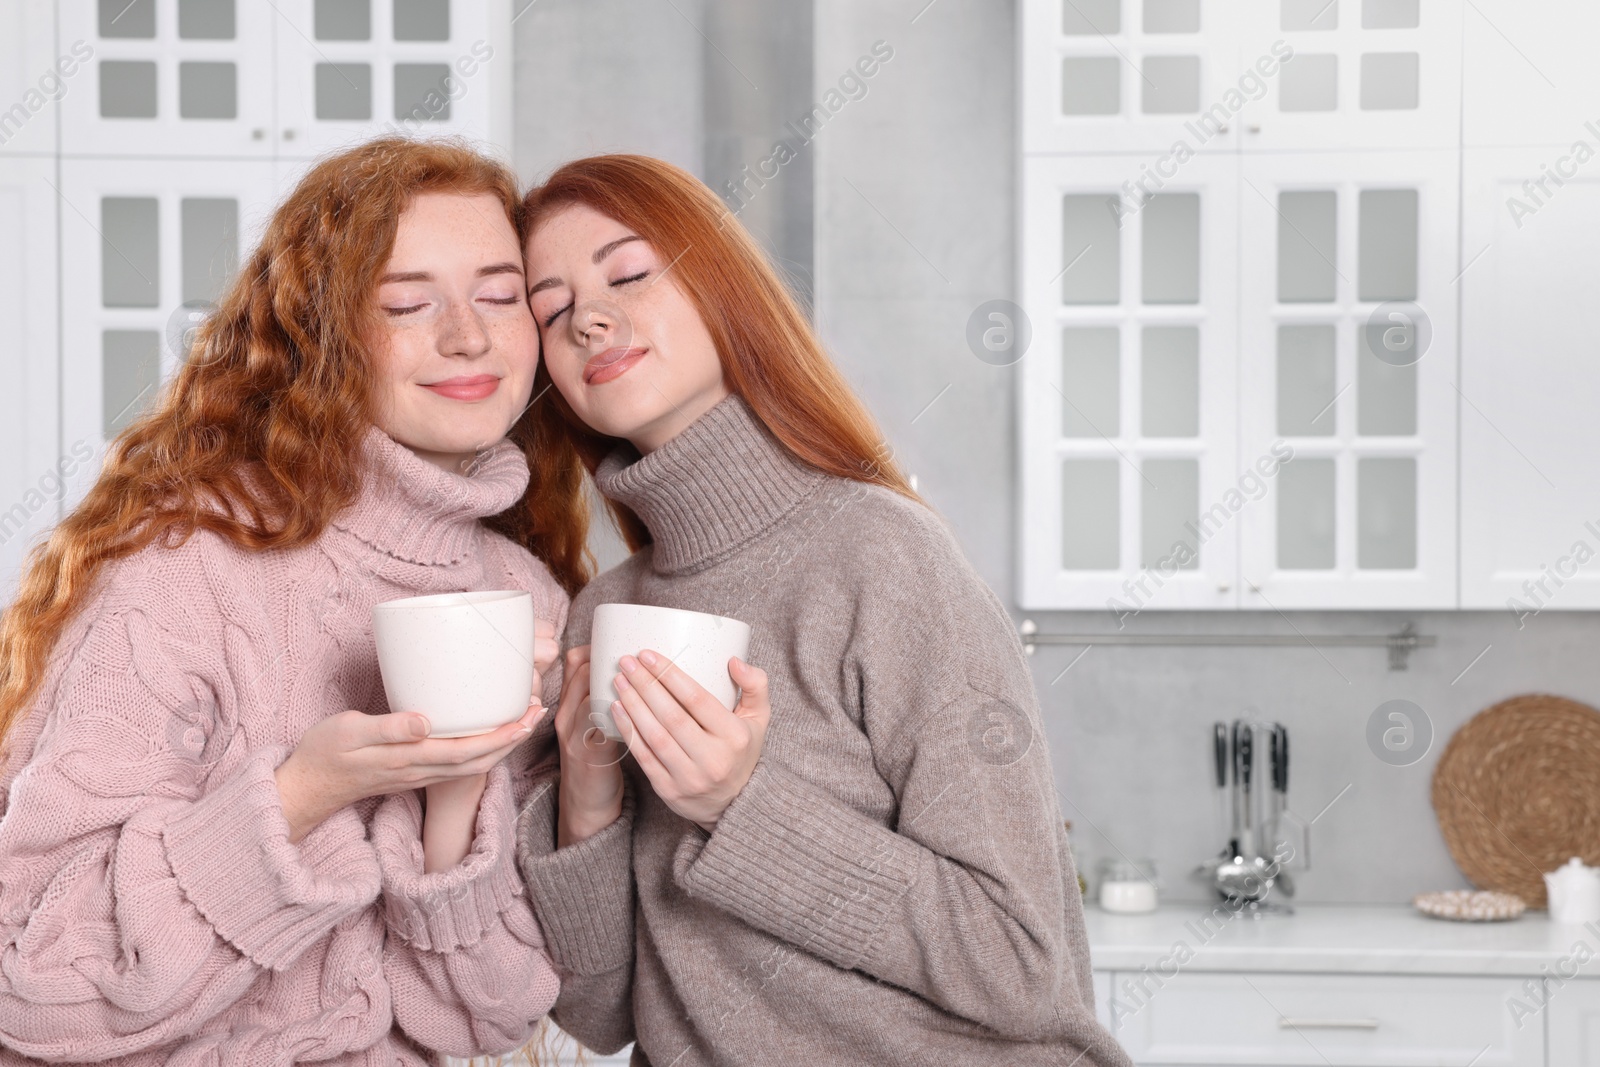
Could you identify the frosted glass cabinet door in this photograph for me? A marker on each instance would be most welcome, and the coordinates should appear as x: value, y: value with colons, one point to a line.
x: 1530, y: 372
x: 352, y: 69
x: 1347, y: 350
x: 1362, y: 74
x: 1127, y: 394
x: 174, y: 78
x: 147, y: 248
x: 34, y: 76
x: 30, y: 476
x: 1129, y: 75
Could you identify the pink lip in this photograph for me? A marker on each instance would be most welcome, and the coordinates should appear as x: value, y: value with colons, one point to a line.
x: 466, y: 387
x: 612, y: 363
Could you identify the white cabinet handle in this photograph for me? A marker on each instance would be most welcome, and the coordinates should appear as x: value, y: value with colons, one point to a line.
x: 1290, y: 1023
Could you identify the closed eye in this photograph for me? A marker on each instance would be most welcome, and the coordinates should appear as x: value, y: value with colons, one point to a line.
x: 634, y: 278
x: 405, y: 310
x: 556, y: 315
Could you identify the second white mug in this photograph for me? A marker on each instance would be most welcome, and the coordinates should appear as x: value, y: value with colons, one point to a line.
x: 700, y: 644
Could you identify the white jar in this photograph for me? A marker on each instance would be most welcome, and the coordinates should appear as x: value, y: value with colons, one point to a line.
x: 1128, y: 886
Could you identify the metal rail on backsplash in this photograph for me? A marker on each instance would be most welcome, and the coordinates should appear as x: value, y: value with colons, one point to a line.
x: 1400, y: 644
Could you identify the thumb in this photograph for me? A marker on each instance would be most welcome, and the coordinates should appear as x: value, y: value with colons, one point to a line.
x: 399, y: 727
x: 752, y: 683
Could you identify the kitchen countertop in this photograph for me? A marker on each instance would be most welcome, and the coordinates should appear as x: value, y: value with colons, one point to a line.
x: 1383, y: 939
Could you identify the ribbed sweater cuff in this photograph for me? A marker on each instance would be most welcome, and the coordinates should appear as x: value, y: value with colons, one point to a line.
x: 788, y: 858
x: 582, y: 894
x: 447, y: 910
x: 270, y: 899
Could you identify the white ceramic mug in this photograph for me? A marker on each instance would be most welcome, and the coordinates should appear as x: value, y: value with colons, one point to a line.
x: 465, y: 660
x: 700, y: 644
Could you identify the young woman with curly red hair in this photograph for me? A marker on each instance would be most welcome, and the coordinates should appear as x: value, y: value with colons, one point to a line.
x: 216, y: 845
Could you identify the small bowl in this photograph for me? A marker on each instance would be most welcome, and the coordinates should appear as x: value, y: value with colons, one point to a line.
x: 1470, y: 905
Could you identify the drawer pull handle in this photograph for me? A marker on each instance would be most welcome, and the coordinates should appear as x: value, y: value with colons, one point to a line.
x: 1290, y: 1023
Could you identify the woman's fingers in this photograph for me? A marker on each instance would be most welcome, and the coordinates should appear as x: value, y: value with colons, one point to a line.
x: 660, y: 778
x: 648, y: 725
x: 755, y: 702
x: 680, y: 722
x: 686, y: 693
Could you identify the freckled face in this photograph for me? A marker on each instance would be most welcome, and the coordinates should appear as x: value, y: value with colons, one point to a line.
x: 622, y: 341
x: 456, y: 344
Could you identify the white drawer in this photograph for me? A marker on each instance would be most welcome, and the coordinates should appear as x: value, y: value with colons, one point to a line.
x: 1326, y: 1020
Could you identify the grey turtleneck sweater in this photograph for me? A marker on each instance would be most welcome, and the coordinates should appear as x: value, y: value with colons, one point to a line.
x: 893, y: 884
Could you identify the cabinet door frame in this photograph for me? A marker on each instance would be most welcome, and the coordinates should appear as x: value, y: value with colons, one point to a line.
x: 84, y: 183
x: 84, y: 133
x: 478, y: 54
x: 1432, y: 584
x: 1045, y: 584
x: 1044, y: 47
x: 1433, y: 124
x: 1526, y: 471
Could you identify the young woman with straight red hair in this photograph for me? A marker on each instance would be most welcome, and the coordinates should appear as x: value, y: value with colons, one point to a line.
x: 217, y: 846
x: 863, y: 862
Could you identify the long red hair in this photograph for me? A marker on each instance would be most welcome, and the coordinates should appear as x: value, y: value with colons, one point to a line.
x: 770, y: 355
x: 280, y: 388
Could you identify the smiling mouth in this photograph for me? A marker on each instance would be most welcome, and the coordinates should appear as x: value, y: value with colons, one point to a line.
x: 466, y: 387
x: 612, y: 363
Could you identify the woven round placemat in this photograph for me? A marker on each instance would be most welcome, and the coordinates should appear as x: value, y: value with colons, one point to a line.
x: 1517, y: 793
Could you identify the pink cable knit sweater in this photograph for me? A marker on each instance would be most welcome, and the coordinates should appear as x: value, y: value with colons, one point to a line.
x: 152, y: 909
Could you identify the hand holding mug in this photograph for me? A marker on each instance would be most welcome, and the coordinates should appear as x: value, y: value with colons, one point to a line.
x: 352, y: 755
x: 545, y: 649
x: 591, y: 764
x: 697, y: 753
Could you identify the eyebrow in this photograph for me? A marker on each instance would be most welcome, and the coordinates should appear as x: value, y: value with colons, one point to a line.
x: 425, y: 276
x: 599, y: 254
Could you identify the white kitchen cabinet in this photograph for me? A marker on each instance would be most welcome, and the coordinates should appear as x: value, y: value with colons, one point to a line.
x: 1364, y: 75
x: 349, y: 69
x: 1530, y: 372
x: 1331, y: 1020
x: 1128, y: 388
x: 291, y: 79
x: 142, y: 243
x: 1574, y: 1022
x: 171, y: 79
x: 1451, y: 475
x: 1347, y: 331
x: 1127, y: 76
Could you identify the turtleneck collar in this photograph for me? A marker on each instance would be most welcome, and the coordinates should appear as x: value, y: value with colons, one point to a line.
x: 722, y: 481
x: 417, y: 512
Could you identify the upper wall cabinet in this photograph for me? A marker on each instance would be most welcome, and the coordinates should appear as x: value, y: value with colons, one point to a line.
x: 1276, y: 246
x: 181, y: 128
x: 289, y: 79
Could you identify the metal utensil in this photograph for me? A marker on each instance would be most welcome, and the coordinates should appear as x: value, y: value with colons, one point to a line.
x: 1219, y: 742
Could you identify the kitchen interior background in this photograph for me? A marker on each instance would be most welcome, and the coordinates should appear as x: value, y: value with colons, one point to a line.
x: 904, y: 212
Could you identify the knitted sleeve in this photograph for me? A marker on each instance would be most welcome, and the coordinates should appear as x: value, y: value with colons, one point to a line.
x: 963, y: 898
x: 583, y: 895
x: 465, y: 958
x: 142, y: 889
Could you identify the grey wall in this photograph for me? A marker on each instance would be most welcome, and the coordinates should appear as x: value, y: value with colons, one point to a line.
x: 914, y: 205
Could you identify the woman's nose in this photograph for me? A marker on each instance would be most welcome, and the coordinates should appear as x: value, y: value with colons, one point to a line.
x: 463, y: 332
x: 599, y: 323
